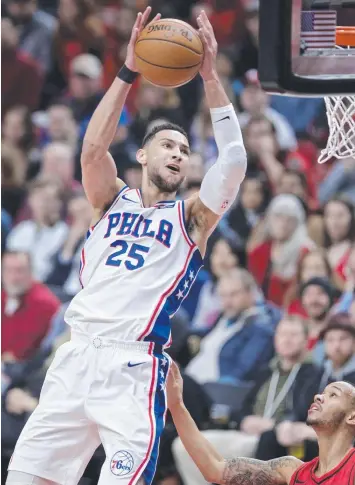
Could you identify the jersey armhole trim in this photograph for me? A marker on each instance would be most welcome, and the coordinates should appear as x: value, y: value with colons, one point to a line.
x: 183, y: 224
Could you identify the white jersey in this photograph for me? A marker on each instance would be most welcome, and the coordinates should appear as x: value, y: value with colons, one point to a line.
x: 137, y: 266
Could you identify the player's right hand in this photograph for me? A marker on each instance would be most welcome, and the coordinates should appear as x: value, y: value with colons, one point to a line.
x: 138, y: 26
x: 174, y: 386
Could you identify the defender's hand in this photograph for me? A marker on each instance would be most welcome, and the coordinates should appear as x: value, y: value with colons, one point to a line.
x: 139, y: 25
x: 208, y: 67
x: 174, y: 386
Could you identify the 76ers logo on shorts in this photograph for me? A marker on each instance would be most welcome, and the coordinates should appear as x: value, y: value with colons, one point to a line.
x: 121, y: 463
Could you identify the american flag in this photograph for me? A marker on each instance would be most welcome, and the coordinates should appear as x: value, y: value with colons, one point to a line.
x: 318, y: 29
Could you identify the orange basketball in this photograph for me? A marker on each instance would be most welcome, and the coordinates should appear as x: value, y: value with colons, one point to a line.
x: 169, y: 53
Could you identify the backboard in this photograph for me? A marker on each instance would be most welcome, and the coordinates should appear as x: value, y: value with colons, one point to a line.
x: 307, y: 47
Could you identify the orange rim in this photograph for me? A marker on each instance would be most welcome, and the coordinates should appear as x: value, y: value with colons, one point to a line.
x: 345, y: 36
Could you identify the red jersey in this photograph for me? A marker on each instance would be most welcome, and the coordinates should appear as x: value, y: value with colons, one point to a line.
x: 342, y: 474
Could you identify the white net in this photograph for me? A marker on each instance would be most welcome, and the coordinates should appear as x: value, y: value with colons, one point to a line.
x: 341, y: 120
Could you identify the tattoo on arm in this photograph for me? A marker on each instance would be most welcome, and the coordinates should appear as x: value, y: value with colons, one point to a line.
x: 247, y: 471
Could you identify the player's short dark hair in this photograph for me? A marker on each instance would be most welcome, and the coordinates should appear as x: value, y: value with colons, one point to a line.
x: 164, y: 126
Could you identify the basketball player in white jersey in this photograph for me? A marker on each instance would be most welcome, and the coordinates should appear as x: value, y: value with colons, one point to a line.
x: 143, y: 252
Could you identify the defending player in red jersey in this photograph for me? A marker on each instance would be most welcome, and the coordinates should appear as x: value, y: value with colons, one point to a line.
x: 332, y: 416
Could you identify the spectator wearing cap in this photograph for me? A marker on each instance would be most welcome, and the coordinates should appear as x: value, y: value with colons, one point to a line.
x: 35, y: 28
x: 21, y: 77
x: 317, y: 298
x: 274, y: 261
x: 85, y: 89
x: 312, y: 264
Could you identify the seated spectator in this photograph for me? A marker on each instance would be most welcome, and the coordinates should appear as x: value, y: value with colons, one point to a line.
x: 241, y: 339
x: 26, y: 310
x: 60, y: 126
x: 42, y: 236
x: 247, y: 211
x: 339, y: 232
x: 36, y: 30
x: 222, y: 259
x: 263, y: 150
x: 339, y: 180
x: 64, y: 275
x: 256, y: 102
x: 247, y: 57
x: 274, y: 261
x: 278, y: 386
x: 85, y: 89
x: 312, y: 264
x: 317, y: 297
x: 80, y: 31
x: 18, y: 131
x: 58, y: 163
x: 13, y: 171
x: 21, y: 78
x: 293, y: 435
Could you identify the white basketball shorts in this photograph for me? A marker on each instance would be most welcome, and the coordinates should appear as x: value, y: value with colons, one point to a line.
x: 97, y: 390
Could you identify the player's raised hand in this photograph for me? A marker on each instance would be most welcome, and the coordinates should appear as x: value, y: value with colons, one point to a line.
x: 208, y: 67
x: 174, y: 386
x: 138, y: 26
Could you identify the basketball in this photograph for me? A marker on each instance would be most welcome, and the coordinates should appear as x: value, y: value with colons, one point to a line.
x: 168, y: 53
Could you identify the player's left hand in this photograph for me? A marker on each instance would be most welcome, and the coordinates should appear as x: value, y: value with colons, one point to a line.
x: 208, y: 67
x: 174, y: 386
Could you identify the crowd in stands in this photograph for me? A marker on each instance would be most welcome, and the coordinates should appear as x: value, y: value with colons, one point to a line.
x: 271, y: 318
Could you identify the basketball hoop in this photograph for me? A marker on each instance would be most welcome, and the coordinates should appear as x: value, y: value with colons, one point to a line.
x: 341, y: 111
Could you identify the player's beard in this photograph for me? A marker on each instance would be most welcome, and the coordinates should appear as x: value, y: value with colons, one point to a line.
x: 331, y: 423
x: 165, y: 186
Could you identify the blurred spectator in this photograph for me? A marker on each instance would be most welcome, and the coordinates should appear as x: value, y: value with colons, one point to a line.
x: 60, y: 126
x: 222, y: 259
x: 153, y: 102
x: 13, y: 171
x: 293, y: 435
x: 299, y: 112
x: 21, y: 79
x: 58, y: 164
x: 65, y: 271
x: 248, y: 54
x: 80, y: 31
x: 274, y: 261
x: 339, y: 342
x: 295, y: 183
x: 241, y: 339
x: 27, y: 308
x: 263, y: 150
x: 256, y: 102
x: 42, y: 236
x: 339, y: 232
x: 340, y: 179
x: 313, y: 264
x: 6, y: 224
x: 36, y: 29
x: 201, y: 135
x: 278, y: 386
x: 85, y: 89
x: 317, y: 298
x: 248, y: 210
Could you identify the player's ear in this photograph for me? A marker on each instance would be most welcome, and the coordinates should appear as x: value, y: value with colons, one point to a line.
x: 351, y: 419
x: 141, y: 156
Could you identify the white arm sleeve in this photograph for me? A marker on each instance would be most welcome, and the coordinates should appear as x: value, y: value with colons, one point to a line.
x: 221, y: 183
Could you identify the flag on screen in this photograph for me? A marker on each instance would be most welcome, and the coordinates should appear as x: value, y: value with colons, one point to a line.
x: 318, y: 28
